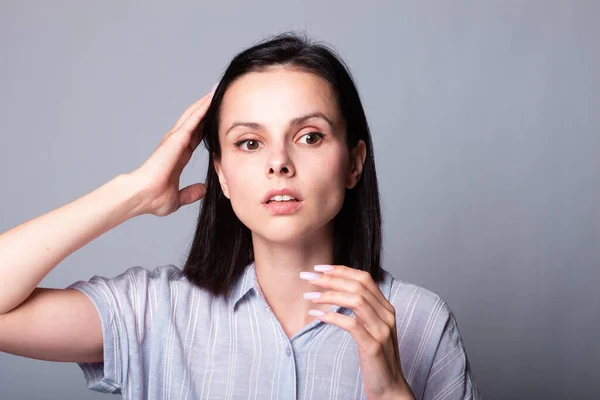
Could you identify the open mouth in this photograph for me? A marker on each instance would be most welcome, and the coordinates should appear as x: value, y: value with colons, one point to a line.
x: 283, y: 205
x: 282, y: 199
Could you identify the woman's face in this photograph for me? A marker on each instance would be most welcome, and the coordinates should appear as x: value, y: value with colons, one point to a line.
x: 281, y: 130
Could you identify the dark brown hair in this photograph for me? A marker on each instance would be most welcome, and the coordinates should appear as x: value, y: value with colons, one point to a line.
x: 222, y: 245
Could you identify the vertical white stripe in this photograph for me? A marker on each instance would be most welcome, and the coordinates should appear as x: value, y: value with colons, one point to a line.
x: 230, y: 371
x: 253, y: 349
x: 279, y: 345
x: 136, y: 304
x: 254, y: 301
x: 175, y: 288
x: 433, y: 315
x: 116, y: 328
x: 328, y: 328
x: 195, y: 312
x: 173, y: 295
x: 113, y: 328
x: 186, y: 346
x: 235, y: 335
x: 230, y: 384
x: 127, y: 381
x: 155, y: 298
x: 336, y: 373
x: 235, y: 350
x: 207, y: 364
x: 358, y: 380
x: 166, y: 350
x: 212, y: 351
x: 407, y: 324
x: 138, y: 315
x: 151, y: 293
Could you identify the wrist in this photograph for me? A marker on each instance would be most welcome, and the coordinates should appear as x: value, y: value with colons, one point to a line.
x: 132, y: 193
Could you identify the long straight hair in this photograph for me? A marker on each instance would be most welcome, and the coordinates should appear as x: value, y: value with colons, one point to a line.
x: 222, y: 245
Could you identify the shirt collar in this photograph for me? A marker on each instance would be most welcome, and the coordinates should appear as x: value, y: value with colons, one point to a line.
x: 245, y: 283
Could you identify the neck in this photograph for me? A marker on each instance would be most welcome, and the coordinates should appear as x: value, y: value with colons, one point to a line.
x: 278, y: 267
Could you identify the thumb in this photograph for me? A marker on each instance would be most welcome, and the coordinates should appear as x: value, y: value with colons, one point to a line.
x: 191, y: 194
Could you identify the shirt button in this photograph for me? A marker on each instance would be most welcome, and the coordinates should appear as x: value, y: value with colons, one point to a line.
x: 288, y: 352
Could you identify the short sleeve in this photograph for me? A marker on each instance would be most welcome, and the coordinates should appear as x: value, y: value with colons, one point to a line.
x: 125, y: 304
x: 450, y: 376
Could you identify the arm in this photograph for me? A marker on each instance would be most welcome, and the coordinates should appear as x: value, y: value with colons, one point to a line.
x: 63, y: 325
x: 57, y: 324
x: 29, y: 251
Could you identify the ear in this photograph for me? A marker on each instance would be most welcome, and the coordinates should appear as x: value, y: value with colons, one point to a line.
x: 222, y: 180
x: 358, y: 156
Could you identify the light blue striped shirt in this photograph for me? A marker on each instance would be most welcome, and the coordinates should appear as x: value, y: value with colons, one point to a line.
x: 165, y: 338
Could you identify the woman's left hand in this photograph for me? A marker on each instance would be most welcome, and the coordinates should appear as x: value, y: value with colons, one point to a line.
x: 373, y: 329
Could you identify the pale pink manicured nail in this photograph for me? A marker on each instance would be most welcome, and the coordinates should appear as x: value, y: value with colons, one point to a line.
x: 316, y: 313
x: 214, y: 87
x: 323, y: 267
x: 309, y: 276
x: 312, y: 295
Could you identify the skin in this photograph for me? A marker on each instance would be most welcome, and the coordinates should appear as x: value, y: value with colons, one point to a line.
x: 282, y: 155
x: 262, y: 150
x: 287, y: 246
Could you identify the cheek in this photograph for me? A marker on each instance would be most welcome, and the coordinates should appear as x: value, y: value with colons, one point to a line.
x: 242, y: 184
x: 329, y: 178
x: 239, y: 181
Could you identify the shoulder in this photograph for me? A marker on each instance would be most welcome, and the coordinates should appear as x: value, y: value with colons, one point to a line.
x: 413, y: 301
x: 431, y: 347
x: 139, y: 274
x: 136, y: 281
x: 423, y: 318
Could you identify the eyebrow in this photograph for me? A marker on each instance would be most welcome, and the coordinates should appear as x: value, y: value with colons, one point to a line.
x: 295, y: 121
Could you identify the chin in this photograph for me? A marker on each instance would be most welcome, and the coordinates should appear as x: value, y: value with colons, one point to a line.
x: 281, y: 232
x: 288, y: 231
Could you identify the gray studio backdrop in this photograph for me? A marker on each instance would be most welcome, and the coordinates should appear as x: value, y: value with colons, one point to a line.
x: 484, y: 117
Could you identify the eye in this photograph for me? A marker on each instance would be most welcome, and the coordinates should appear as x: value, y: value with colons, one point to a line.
x: 248, y: 144
x: 313, y: 137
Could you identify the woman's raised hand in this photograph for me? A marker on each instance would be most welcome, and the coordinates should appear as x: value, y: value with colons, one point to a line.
x: 159, y: 176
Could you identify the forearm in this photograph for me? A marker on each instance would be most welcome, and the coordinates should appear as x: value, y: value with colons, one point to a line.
x: 29, y: 251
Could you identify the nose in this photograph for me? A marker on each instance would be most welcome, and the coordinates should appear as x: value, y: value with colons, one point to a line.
x: 280, y: 163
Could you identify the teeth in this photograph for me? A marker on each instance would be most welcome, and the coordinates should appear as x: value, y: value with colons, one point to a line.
x: 284, y: 197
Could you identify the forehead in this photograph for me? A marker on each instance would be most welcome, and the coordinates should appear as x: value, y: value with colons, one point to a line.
x: 276, y: 96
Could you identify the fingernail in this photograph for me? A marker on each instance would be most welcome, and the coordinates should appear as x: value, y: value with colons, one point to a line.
x: 323, y: 267
x: 309, y: 276
x: 212, y: 89
x: 316, y: 313
x: 312, y: 295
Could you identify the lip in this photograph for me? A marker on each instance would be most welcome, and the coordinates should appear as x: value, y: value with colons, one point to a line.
x: 282, y: 208
x: 281, y: 192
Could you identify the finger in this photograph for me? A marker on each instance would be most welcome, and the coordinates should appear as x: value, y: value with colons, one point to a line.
x: 190, y: 110
x: 361, y: 307
x: 191, y: 194
x: 353, y: 286
x: 192, y: 122
x: 196, y: 136
x: 362, y: 276
x: 351, y: 325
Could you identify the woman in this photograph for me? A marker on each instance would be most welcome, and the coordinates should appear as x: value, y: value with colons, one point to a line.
x: 282, y: 295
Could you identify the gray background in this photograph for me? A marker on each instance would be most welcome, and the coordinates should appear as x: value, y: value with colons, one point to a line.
x: 484, y: 117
